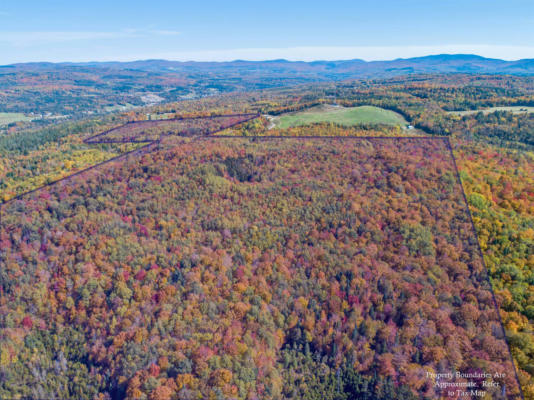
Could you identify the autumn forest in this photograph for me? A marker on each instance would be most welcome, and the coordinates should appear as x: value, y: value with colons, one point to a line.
x: 195, y: 250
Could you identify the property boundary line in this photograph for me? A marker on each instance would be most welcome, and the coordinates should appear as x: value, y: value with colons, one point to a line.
x: 65, y: 178
x: 320, y: 137
x: 209, y: 135
x: 249, y: 116
x: 481, y: 254
x: 148, y: 143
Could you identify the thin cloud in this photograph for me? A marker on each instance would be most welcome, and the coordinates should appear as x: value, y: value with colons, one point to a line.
x: 51, y: 37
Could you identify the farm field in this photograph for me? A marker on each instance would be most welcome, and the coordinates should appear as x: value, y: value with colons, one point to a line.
x: 241, y: 267
x: 340, y: 115
x: 513, y: 109
x: 8, y: 118
x: 119, y: 107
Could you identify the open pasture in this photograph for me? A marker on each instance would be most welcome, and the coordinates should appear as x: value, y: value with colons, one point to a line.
x: 347, y: 116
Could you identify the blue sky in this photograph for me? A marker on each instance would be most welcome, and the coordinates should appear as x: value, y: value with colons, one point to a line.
x: 97, y: 30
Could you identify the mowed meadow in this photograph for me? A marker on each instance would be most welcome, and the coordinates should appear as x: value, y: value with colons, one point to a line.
x: 346, y: 116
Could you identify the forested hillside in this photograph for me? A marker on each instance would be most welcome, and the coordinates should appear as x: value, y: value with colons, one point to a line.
x: 133, y: 278
x: 500, y: 188
x: 238, y: 268
x: 69, y: 89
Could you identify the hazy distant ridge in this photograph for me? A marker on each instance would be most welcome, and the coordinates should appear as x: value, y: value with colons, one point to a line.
x: 462, y: 63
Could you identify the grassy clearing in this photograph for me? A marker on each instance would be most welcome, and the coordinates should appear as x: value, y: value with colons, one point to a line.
x: 119, y: 107
x: 341, y: 115
x: 8, y: 118
x: 514, y: 109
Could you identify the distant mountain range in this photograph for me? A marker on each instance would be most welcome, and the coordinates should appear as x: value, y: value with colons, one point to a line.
x: 462, y: 63
x: 316, y: 70
x: 74, y: 88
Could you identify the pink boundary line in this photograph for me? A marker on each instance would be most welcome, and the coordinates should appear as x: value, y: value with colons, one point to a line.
x: 481, y: 255
x: 91, y: 140
x: 445, y: 139
x: 435, y: 137
x: 140, y: 149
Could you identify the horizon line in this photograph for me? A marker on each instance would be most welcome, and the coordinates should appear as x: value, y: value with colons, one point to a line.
x: 286, y: 60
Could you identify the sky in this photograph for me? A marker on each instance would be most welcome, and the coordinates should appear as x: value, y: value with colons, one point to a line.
x: 120, y: 30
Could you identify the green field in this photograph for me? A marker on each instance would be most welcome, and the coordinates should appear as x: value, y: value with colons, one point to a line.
x: 7, y: 118
x: 339, y: 115
x: 514, y: 109
x: 119, y: 107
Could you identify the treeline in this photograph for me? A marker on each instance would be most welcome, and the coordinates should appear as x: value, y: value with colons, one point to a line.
x: 29, y: 140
